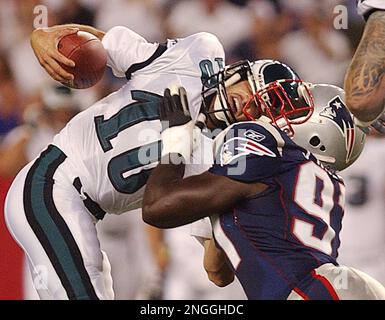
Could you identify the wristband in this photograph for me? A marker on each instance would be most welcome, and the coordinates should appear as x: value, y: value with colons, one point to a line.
x: 178, y: 140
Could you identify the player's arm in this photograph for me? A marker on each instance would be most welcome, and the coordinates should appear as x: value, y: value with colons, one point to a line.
x: 365, y: 81
x: 216, y: 265
x: 171, y: 201
x: 44, y: 43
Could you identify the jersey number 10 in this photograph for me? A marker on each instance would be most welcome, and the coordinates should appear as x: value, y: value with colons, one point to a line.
x: 145, y: 108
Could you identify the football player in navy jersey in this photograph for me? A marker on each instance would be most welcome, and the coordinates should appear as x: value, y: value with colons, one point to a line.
x: 273, y: 196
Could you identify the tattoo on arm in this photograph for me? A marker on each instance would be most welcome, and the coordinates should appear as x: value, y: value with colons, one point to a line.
x: 364, y: 80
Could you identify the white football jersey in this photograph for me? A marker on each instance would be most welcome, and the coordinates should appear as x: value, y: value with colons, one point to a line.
x: 363, y: 226
x: 366, y: 6
x: 104, y: 144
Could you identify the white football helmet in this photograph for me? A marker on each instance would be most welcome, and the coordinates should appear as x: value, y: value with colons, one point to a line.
x: 276, y: 90
x: 330, y: 133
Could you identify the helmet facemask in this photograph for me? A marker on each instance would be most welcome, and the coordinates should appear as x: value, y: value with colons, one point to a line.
x: 284, y: 102
x: 216, y: 104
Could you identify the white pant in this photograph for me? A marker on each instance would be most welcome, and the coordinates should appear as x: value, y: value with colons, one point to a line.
x: 342, y: 283
x: 61, y: 244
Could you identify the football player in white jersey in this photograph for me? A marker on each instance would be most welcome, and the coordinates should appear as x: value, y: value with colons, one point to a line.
x: 364, y: 82
x: 118, y: 235
x: 101, y: 160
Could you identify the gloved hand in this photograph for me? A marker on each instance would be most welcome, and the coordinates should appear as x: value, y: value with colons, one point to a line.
x: 174, y: 109
x: 177, y: 125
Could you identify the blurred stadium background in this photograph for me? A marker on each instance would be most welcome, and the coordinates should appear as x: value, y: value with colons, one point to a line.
x: 298, y: 32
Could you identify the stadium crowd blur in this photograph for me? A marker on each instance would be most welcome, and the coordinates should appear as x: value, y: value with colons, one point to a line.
x: 298, y: 32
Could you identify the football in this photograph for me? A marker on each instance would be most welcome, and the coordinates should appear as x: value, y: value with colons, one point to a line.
x: 89, y: 55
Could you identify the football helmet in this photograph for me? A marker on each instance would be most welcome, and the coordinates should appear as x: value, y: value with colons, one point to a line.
x: 276, y: 90
x: 330, y: 133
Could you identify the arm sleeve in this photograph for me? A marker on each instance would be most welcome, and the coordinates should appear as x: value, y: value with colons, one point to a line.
x: 250, y: 153
x: 125, y: 48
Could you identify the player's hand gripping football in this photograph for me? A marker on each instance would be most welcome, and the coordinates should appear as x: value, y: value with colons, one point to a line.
x: 44, y: 43
x: 177, y: 124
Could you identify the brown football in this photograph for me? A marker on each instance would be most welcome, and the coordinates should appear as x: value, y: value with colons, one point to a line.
x: 89, y: 55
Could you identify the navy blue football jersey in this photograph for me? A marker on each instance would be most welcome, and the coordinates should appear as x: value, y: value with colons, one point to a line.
x: 275, y: 239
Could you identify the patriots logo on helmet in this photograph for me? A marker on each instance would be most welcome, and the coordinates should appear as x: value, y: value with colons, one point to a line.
x: 238, y: 147
x: 337, y: 111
